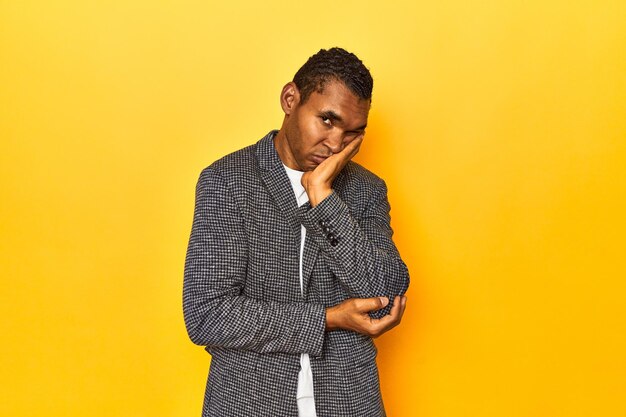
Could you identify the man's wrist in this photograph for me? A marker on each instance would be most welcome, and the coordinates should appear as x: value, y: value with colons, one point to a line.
x: 317, y: 195
x: 331, y: 319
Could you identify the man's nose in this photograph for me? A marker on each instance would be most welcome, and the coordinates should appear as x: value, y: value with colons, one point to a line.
x: 335, y: 142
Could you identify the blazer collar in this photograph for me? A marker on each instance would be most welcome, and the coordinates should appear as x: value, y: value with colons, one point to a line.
x: 266, y: 153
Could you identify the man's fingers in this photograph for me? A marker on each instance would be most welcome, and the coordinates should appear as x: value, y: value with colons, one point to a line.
x: 341, y: 158
x: 399, y: 304
x: 349, y: 151
x: 365, y: 305
x: 380, y: 326
x: 353, y: 147
x: 326, y: 171
x: 352, y: 314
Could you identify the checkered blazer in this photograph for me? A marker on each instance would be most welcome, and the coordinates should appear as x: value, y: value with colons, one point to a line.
x: 242, y: 298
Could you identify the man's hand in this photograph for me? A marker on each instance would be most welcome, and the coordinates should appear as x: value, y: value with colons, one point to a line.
x: 352, y: 314
x: 318, y: 183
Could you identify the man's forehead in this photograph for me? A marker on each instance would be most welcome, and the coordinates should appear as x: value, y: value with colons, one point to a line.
x: 337, y: 99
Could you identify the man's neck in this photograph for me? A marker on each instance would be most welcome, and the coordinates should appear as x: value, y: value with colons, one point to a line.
x: 284, y: 151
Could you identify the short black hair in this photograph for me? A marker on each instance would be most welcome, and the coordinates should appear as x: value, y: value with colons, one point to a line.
x: 334, y: 64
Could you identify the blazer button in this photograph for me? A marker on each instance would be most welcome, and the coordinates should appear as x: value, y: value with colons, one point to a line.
x: 334, y: 242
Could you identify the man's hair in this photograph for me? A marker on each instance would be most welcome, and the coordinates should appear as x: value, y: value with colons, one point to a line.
x: 334, y: 64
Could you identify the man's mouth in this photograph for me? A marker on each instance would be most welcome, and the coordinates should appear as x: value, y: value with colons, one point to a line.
x: 318, y: 159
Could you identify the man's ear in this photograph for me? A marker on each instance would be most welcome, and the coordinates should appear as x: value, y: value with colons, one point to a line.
x: 289, y: 98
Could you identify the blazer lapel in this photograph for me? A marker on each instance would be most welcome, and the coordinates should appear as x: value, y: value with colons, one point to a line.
x: 275, y: 178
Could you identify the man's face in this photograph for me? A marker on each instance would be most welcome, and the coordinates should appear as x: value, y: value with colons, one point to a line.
x: 323, y: 125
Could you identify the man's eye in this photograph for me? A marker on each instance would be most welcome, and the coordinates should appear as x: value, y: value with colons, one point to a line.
x: 325, y: 120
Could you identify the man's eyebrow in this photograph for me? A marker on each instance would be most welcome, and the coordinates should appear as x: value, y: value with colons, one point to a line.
x: 329, y: 114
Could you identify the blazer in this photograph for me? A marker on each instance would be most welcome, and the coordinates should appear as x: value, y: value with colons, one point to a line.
x: 241, y: 292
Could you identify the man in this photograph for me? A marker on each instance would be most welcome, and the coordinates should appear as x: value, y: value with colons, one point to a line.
x: 290, y: 268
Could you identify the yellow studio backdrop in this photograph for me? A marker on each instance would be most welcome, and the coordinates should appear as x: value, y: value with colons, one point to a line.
x: 500, y: 127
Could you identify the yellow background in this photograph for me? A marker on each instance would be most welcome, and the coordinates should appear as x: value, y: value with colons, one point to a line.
x: 500, y: 127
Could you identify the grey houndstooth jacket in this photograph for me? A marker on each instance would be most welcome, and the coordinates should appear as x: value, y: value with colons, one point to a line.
x: 241, y: 293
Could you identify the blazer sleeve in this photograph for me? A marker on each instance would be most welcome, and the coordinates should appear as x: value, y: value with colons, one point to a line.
x: 360, y: 252
x: 216, y: 312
